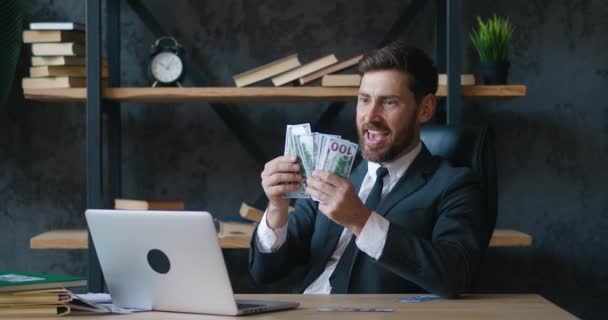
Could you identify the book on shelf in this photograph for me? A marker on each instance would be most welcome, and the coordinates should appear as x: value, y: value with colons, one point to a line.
x: 19, y: 281
x: 131, y: 204
x: 54, y: 82
x: 49, y: 36
x: 304, y: 70
x: 57, y: 26
x: 59, y: 61
x: 250, y: 213
x: 267, y: 71
x: 466, y: 79
x: 58, y: 49
x: 336, y: 67
x: 354, y: 80
x: 56, y: 71
x: 235, y: 229
x: 63, y: 61
x: 341, y: 80
x: 253, y: 214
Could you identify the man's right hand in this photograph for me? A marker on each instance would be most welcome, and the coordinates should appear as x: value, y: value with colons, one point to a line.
x: 280, y: 175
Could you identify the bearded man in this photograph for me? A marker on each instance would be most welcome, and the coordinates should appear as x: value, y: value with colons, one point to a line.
x: 404, y: 222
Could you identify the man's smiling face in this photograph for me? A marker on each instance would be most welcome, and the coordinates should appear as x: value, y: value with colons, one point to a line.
x: 387, y: 116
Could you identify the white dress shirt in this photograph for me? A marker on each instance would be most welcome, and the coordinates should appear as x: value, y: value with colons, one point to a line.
x: 372, y: 237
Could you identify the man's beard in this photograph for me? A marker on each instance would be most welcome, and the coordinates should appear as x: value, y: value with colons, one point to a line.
x: 403, y: 140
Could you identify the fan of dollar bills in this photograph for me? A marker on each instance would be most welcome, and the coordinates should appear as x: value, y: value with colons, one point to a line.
x: 318, y: 151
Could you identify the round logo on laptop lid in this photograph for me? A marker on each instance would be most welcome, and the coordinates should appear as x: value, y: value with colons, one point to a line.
x: 159, y: 261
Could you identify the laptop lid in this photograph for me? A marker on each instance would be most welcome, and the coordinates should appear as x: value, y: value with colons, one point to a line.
x: 161, y: 260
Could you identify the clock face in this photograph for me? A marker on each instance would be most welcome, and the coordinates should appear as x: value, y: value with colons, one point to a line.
x: 166, y: 67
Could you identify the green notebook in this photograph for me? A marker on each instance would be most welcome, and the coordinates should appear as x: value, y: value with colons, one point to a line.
x: 19, y: 281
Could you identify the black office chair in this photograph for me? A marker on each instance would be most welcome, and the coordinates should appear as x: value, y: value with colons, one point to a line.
x: 473, y: 148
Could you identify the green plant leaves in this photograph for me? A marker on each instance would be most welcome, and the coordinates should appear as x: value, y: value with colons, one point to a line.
x: 491, y: 39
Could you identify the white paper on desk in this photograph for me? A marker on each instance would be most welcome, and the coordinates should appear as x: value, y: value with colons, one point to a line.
x: 98, y: 302
x: 95, y: 297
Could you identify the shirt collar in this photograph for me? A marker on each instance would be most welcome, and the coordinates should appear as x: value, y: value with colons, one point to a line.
x: 397, y: 167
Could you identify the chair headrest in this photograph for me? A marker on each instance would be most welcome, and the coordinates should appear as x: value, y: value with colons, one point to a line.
x: 464, y: 147
x: 468, y: 147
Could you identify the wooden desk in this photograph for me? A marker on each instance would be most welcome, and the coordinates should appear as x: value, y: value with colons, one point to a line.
x: 511, y: 306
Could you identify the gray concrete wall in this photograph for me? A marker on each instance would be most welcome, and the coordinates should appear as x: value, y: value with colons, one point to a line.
x: 552, y: 144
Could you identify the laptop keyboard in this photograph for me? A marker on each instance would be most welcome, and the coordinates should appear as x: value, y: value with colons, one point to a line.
x: 247, y: 305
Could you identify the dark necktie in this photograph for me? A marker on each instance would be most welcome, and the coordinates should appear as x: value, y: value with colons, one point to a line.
x: 339, y: 279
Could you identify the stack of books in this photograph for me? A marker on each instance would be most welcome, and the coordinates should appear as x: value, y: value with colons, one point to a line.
x: 354, y: 80
x: 58, y: 56
x: 234, y: 227
x: 35, y: 295
x: 328, y: 69
x: 240, y: 227
x: 25, y: 295
x: 291, y: 70
x: 132, y: 204
x: 254, y: 214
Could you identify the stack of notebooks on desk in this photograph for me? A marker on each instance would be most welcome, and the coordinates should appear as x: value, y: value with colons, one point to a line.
x: 35, y: 295
x: 25, y: 295
x: 58, y: 56
x: 37, y: 303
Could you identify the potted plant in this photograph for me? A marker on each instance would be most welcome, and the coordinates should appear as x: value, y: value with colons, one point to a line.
x: 491, y: 40
x: 10, y: 38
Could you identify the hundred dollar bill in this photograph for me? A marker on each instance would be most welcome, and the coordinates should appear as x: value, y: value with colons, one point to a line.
x: 309, y: 148
x: 292, y: 131
x: 291, y: 148
x: 306, y: 148
x: 322, y: 139
x: 337, y: 156
x: 322, y: 151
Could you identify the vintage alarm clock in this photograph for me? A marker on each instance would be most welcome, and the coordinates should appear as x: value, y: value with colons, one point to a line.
x: 167, y: 66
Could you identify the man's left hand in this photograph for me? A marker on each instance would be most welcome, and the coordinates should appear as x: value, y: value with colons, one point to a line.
x: 338, y: 200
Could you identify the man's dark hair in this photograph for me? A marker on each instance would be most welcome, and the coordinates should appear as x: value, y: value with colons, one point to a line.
x: 421, y: 72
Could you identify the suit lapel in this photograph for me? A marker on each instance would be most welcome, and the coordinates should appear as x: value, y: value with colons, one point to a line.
x: 414, y: 178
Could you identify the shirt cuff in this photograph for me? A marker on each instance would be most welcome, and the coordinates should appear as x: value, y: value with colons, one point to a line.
x: 268, y: 240
x: 372, y: 237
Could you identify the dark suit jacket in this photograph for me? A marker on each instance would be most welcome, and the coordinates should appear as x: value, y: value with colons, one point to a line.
x: 435, y: 240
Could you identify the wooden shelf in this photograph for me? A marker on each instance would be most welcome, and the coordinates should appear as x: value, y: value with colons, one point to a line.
x: 200, y: 94
x: 60, y: 239
x: 510, y: 238
x: 250, y: 94
x: 486, y: 91
x: 77, y: 239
